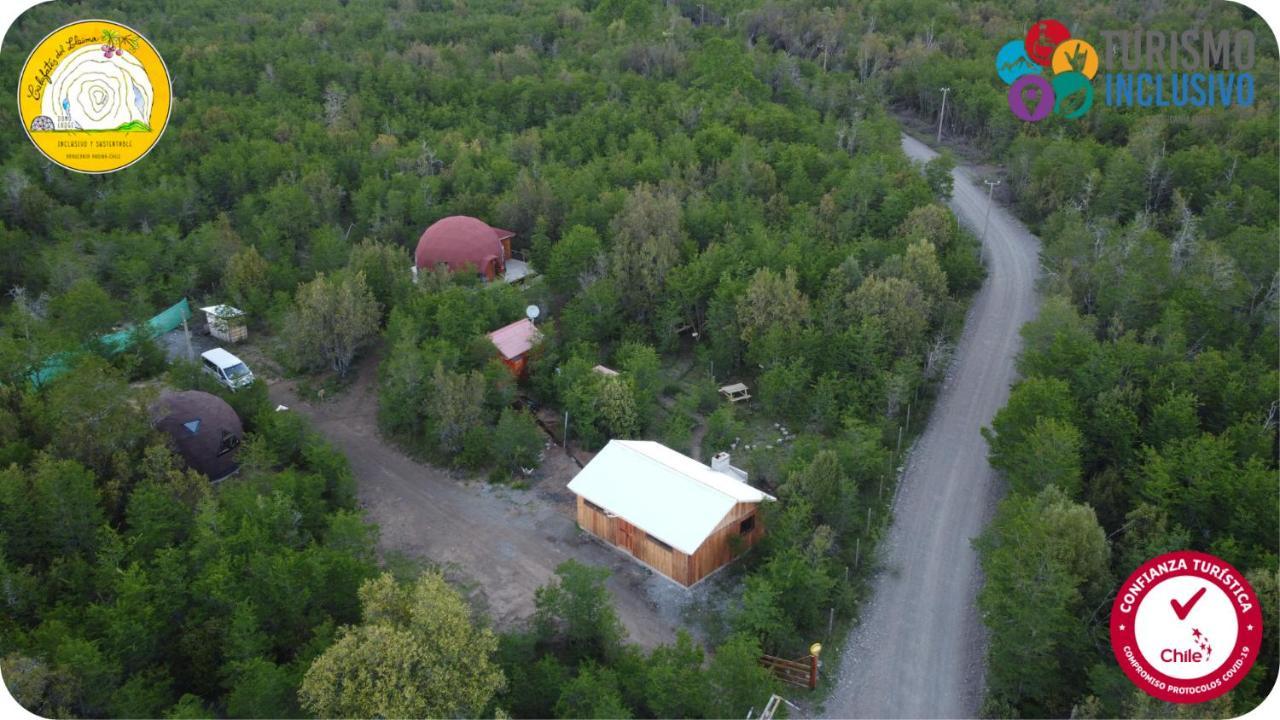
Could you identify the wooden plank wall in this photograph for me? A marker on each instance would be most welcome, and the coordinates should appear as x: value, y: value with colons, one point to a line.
x: 684, y: 569
x: 594, y: 522
x: 717, y: 551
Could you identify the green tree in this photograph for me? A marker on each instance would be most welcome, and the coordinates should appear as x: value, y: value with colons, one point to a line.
x: 643, y: 365
x: 247, y: 280
x: 517, y: 441
x: 1173, y: 419
x: 415, y: 654
x: 49, y: 511
x: 1045, y: 560
x: 785, y: 391
x: 574, y: 260
x: 674, y: 682
x: 826, y: 487
x: 91, y: 414
x: 770, y: 301
x: 386, y: 271
x: 899, y: 305
x: 937, y: 172
x: 593, y: 693
x: 723, y: 430
x: 401, y: 393
x: 332, y: 319
x: 84, y: 311
x: 920, y: 266
x: 575, y: 614
x: 616, y: 396
x: 1047, y: 455
x: 646, y: 246
x: 454, y: 405
x: 737, y: 683
x: 1030, y: 400
x: 933, y: 223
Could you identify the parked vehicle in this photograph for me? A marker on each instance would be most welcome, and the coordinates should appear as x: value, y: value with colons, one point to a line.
x: 226, y: 368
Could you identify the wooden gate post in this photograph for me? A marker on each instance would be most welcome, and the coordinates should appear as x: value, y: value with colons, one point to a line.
x: 814, y: 650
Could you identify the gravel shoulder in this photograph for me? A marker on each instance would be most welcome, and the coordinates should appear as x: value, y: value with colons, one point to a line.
x: 919, y: 649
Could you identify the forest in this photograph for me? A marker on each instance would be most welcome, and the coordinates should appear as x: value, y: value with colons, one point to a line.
x: 1146, y: 419
x: 730, y: 167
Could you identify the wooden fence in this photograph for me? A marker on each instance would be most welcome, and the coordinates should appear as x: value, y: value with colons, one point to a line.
x: 802, y: 673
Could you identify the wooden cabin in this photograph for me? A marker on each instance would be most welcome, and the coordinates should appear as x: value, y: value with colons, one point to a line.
x: 681, y: 518
x: 514, y: 342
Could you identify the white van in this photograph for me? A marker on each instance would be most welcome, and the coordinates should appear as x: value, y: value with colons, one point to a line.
x: 226, y: 368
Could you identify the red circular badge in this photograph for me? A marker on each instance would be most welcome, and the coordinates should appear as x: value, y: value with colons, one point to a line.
x: 1043, y: 37
x: 1186, y: 627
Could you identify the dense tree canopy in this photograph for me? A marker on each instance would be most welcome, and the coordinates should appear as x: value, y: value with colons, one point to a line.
x: 710, y: 192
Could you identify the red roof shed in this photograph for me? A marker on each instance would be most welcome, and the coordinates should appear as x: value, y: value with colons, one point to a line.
x: 514, y: 341
x: 460, y: 241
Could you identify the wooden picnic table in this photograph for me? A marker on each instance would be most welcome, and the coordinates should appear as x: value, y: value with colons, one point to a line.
x: 735, y: 392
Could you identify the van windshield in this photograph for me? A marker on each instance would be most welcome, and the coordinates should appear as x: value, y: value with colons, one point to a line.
x: 238, y: 370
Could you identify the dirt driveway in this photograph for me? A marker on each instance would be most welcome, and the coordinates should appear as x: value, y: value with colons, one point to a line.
x: 499, y: 543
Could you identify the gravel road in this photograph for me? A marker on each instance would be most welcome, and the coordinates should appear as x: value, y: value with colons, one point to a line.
x: 919, y: 649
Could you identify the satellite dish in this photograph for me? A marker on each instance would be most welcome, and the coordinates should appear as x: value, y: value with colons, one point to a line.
x: 532, y: 312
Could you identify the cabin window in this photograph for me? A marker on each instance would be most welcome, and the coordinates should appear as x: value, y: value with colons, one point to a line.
x: 658, y: 542
x: 746, y: 526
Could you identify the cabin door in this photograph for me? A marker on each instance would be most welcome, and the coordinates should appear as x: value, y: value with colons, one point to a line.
x: 626, y: 536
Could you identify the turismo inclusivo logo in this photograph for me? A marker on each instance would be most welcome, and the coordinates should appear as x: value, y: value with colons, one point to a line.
x: 1048, y: 71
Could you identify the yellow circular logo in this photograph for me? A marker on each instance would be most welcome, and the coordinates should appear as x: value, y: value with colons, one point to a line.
x: 94, y: 96
x: 1075, y: 56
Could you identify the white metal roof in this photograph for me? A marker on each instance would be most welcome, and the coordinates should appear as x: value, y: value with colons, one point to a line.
x: 220, y: 357
x: 672, y: 497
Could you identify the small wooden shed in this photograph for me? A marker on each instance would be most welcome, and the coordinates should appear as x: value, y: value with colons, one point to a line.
x: 670, y: 512
x: 226, y: 323
x: 514, y: 342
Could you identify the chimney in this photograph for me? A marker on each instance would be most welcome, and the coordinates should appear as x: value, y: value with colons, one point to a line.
x: 720, y: 463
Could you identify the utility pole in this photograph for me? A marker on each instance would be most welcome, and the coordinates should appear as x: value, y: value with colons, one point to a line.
x: 942, y: 113
x: 991, y: 189
x: 186, y: 332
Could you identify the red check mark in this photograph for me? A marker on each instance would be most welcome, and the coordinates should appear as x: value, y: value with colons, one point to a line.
x: 1182, y: 609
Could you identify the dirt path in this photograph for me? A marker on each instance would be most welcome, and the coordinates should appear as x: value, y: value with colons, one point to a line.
x: 919, y: 649
x: 498, y: 542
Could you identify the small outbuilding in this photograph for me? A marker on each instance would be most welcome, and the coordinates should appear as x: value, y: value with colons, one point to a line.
x: 226, y: 323
x: 681, y: 518
x: 461, y: 242
x: 514, y: 342
x: 203, y: 429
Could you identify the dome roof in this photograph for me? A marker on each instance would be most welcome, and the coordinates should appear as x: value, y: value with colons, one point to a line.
x: 460, y: 240
x: 204, y: 430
